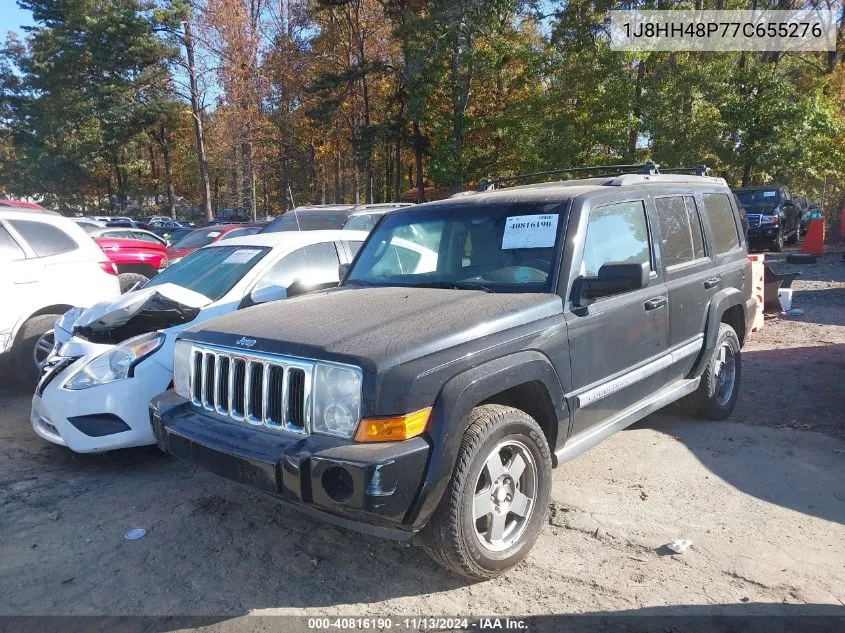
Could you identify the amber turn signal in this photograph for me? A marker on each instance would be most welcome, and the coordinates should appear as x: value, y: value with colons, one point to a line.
x: 402, y: 427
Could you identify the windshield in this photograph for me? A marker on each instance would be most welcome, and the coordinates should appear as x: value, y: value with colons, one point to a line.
x: 508, y: 247
x: 758, y: 196
x: 306, y: 221
x: 363, y: 222
x: 198, y: 238
x: 211, y: 271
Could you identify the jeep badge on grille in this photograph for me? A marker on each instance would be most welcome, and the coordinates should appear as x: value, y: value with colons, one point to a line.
x: 246, y: 342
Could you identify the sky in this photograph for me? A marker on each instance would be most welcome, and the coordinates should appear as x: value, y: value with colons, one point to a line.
x: 12, y: 17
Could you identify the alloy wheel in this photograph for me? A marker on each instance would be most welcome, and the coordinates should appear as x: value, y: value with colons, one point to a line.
x: 725, y: 372
x: 504, y: 495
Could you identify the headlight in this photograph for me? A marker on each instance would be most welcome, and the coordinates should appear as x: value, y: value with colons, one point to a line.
x: 117, y: 363
x: 182, y: 369
x: 769, y: 219
x: 337, y: 400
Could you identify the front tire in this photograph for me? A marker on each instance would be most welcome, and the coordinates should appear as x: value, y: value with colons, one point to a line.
x: 716, y: 396
x: 32, y: 348
x: 777, y: 243
x: 497, y: 500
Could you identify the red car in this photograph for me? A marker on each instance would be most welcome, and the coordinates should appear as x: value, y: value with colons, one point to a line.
x: 209, y: 235
x: 136, y: 260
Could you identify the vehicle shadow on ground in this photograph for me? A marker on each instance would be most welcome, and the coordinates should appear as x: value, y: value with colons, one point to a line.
x: 798, y: 387
x: 760, y: 456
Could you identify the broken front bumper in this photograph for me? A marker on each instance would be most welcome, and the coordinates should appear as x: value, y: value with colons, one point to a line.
x: 366, y: 487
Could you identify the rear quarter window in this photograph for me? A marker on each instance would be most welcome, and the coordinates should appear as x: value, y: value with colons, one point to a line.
x: 45, y: 239
x: 720, y: 216
x: 9, y: 248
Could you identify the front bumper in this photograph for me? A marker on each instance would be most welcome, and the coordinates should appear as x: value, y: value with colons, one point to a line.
x: 366, y: 487
x: 764, y: 232
x: 101, y: 418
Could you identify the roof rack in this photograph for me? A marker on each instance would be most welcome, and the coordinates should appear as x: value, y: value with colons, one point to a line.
x: 597, y: 171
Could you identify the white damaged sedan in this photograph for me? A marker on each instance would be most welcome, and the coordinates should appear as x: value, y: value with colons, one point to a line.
x: 111, y: 359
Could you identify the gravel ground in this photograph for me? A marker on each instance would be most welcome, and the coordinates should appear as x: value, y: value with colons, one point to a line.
x: 761, y: 496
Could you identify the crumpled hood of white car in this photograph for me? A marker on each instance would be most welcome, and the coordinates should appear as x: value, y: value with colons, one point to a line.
x: 113, y: 314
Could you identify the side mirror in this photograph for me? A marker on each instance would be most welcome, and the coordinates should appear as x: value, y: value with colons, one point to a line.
x: 613, y: 278
x: 266, y: 294
x: 342, y: 271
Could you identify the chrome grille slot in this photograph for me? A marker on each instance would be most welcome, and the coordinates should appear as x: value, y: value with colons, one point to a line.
x: 196, y: 378
x: 208, y: 382
x: 275, y: 396
x: 296, y: 398
x: 238, y: 390
x: 221, y: 396
x: 259, y: 389
x: 255, y: 398
x: 753, y: 220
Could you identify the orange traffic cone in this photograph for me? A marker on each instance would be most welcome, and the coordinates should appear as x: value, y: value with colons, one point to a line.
x: 814, y: 241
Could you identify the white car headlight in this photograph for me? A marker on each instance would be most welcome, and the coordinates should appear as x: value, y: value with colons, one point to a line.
x: 115, y: 364
x: 337, y: 400
x: 182, y: 369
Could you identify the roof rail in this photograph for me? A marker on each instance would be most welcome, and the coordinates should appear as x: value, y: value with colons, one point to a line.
x: 650, y: 168
x: 698, y: 170
x: 598, y: 171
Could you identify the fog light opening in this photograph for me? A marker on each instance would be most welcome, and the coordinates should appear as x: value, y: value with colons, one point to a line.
x: 338, y: 484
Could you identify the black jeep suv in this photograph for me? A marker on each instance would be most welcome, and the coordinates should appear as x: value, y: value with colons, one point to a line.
x: 773, y: 217
x: 474, y: 344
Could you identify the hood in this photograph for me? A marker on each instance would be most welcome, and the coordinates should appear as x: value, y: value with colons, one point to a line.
x: 376, y: 328
x: 139, y: 312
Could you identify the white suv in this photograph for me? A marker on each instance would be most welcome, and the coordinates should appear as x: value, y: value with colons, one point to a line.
x: 49, y: 264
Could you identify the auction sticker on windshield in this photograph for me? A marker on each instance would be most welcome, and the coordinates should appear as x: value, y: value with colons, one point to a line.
x: 242, y: 256
x: 529, y: 231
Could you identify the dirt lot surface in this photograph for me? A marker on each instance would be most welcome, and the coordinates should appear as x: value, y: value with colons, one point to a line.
x: 761, y: 496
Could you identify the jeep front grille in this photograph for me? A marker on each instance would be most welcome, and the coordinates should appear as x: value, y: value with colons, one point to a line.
x: 259, y: 389
x: 753, y: 220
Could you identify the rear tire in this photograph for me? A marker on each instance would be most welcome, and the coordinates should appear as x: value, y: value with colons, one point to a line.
x: 497, y: 500
x: 130, y: 280
x: 32, y: 347
x: 716, y: 396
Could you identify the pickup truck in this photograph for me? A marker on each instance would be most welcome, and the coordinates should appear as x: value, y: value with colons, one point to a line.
x: 773, y: 217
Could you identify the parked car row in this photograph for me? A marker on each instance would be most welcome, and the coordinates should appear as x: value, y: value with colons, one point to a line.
x: 420, y: 381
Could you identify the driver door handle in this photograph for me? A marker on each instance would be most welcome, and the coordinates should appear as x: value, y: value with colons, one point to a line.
x: 655, y: 303
x: 712, y: 282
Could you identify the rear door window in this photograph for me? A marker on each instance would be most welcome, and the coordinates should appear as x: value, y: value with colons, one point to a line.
x: 323, y: 263
x: 616, y: 233
x: 681, y: 241
x: 289, y: 269
x: 144, y: 237
x: 720, y: 217
x: 45, y: 239
x: 10, y: 250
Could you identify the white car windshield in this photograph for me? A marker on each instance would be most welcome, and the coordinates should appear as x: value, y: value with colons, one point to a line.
x: 211, y: 271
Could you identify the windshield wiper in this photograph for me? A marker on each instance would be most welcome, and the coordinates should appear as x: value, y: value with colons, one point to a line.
x: 453, y: 285
x: 357, y: 282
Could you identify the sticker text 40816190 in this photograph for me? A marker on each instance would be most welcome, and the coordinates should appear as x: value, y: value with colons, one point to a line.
x: 530, y: 231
